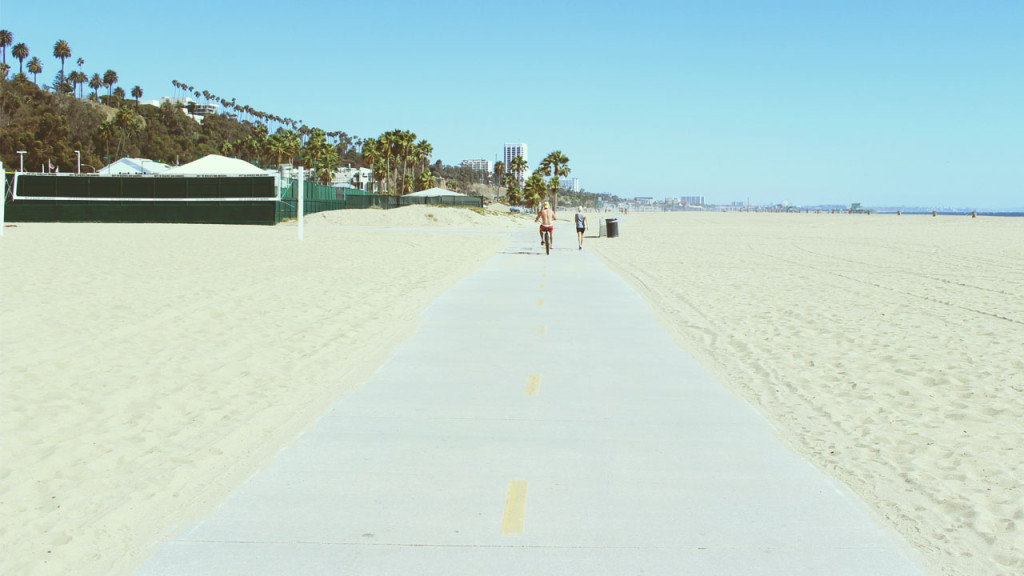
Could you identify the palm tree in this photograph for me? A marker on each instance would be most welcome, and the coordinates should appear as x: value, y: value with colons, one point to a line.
x: 95, y: 82
x: 82, y: 78
x: 554, y: 165
x: 422, y: 152
x: 109, y: 79
x: 323, y: 156
x: 275, y: 145
x: 62, y: 51
x: 369, y: 151
x: 105, y: 133
x: 136, y: 93
x: 35, y: 67
x: 406, y: 140
x: 292, y: 145
x: 77, y: 79
x: 5, y: 40
x: 20, y: 51
x: 511, y: 182
x: 499, y: 172
x: 425, y: 180
x: 387, y: 150
x: 374, y: 155
x: 128, y: 122
x: 535, y: 189
x: 4, y: 69
x: 518, y: 166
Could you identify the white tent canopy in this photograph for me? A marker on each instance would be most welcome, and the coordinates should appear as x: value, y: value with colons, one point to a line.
x: 216, y: 165
x: 133, y: 166
x: 432, y: 192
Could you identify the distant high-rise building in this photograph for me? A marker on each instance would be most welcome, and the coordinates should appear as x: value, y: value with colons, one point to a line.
x: 512, y: 150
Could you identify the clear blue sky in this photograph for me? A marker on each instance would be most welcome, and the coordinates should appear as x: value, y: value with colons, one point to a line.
x: 881, y: 102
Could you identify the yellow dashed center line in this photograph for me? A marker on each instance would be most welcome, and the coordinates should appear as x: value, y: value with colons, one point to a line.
x: 532, y: 384
x: 515, y: 509
x: 540, y: 302
x: 542, y: 329
x: 541, y: 286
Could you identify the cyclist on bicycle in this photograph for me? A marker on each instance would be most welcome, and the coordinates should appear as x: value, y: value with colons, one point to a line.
x: 546, y: 217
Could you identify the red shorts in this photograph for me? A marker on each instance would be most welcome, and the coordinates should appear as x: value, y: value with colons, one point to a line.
x: 548, y: 227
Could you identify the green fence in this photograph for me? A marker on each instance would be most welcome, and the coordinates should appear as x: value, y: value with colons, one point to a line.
x: 389, y: 202
x: 460, y: 201
x: 170, y: 199
x: 319, y: 198
x: 136, y: 188
x: 89, y: 198
x: 315, y: 198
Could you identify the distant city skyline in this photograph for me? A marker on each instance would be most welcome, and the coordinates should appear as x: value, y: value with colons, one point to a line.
x: 913, y: 102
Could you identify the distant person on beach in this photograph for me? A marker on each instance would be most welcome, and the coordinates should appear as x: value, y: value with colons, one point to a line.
x: 546, y: 217
x: 581, y: 225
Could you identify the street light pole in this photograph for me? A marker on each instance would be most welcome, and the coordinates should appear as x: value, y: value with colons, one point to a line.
x: 78, y: 153
x: 21, y: 156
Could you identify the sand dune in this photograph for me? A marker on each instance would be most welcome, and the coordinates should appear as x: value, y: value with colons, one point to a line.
x: 146, y: 370
x: 889, y: 350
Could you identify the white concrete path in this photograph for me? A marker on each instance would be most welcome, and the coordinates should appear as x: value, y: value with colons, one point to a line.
x: 539, y: 422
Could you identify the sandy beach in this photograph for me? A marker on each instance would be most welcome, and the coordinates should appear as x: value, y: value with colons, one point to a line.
x: 885, y: 349
x: 147, y: 370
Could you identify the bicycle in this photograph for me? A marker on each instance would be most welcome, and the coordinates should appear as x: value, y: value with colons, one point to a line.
x: 546, y: 231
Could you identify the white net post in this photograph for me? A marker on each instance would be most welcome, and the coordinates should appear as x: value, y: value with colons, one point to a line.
x: 299, y: 194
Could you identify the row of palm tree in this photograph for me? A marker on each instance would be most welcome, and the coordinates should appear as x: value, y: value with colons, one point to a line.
x: 65, y: 83
x: 396, y: 155
x: 269, y: 121
x: 534, y: 190
x: 255, y: 116
x: 287, y: 146
x: 402, y: 160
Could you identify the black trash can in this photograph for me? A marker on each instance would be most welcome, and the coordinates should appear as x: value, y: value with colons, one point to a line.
x: 612, y: 226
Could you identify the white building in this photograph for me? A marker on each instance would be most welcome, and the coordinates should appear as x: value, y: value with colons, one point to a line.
x: 358, y: 178
x: 479, y: 165
x: 570, y: 184
x: 198, y: 111
x: 512, y: 150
